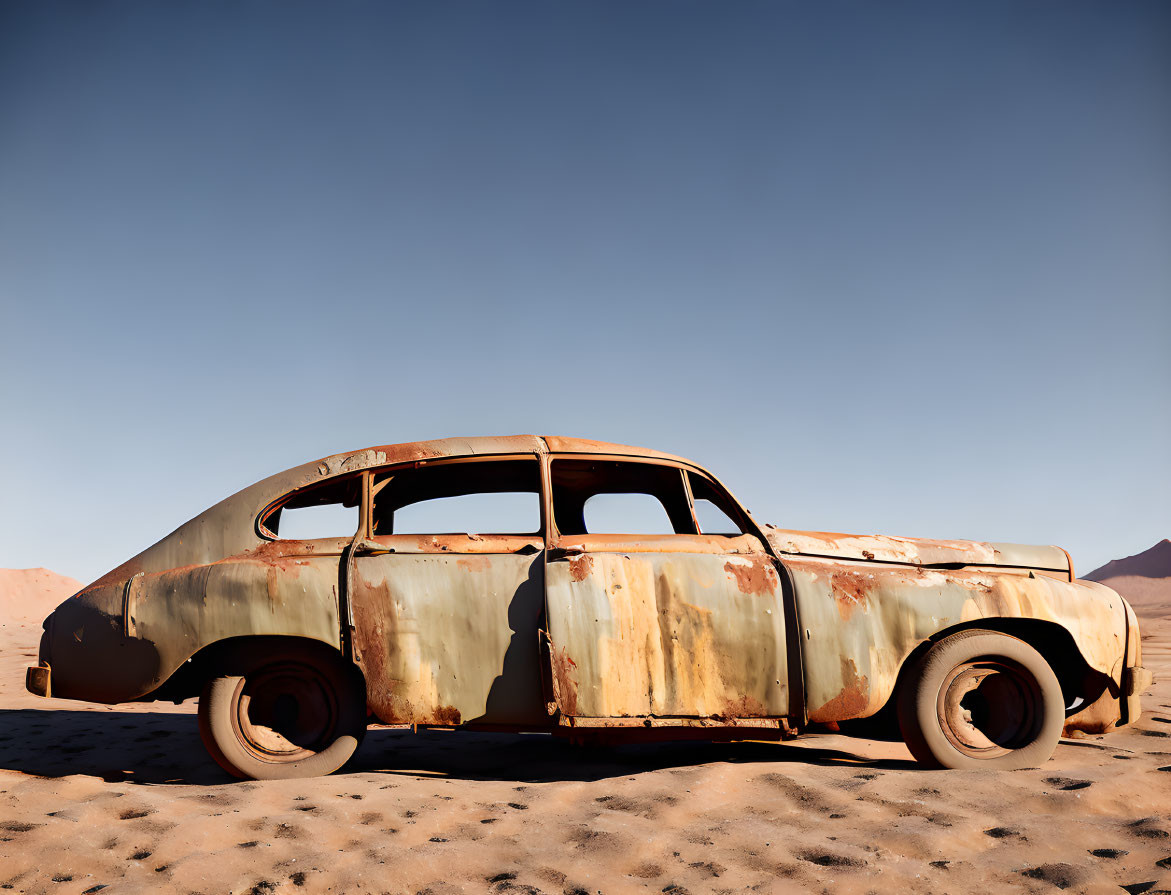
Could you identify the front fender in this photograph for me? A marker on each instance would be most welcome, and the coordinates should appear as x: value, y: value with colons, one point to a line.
x: 859, y: 622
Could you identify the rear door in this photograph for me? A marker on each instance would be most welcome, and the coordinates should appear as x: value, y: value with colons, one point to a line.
x: 650, y: 617
x: 447, y: 606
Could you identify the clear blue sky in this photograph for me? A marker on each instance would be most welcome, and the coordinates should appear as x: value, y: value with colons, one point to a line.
x: 899, y: 268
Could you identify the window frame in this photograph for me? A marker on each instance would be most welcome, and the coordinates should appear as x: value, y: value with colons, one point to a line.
x: 548, y: 530
x: 278, y: 504
x: 740, y: 517
x: 367, y: 515
x: 554, y: 534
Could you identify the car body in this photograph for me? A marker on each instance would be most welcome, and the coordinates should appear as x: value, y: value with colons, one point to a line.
x: 750, y: 631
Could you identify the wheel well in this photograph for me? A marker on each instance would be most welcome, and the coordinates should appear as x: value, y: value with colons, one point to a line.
x: 1055, y: 644
x: 239, y: 655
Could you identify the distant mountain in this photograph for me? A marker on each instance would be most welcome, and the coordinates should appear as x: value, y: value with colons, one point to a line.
x: 28, y: 595
x: 1143, y: 579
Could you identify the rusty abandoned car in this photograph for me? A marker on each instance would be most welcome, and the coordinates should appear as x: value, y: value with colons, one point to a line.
x: 588, y: 589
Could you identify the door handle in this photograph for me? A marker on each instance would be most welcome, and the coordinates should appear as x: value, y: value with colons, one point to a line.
x: 556, y: 553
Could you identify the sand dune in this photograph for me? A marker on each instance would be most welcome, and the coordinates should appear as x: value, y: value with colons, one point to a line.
x: 1143, y: 579
x: 124, y: 800
x: 28, y: 595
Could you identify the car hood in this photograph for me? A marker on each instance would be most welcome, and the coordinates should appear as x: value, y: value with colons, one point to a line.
x: 918, y: 551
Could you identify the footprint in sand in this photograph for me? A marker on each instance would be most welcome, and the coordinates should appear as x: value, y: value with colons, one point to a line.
x: 1138, y: 888
x: 1067, y: 783
x: 1145, y: 828
x: 827, y: 859
x: 1003, y: 833
x: 14, y: 826
x: 1063, y: 876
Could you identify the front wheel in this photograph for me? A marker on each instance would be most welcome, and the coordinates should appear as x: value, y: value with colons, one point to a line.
x: 980, y: 699
x: 298, y: 717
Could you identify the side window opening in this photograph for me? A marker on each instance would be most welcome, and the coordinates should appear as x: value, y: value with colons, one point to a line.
x: 500, y: 497
x: 328, y: 510
x: 714, y: 511
x: 636, y: 514
x: 618, y: 497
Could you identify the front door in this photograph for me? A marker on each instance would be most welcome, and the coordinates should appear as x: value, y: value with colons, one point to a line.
x: 649, y: 614
x: 447, y: 607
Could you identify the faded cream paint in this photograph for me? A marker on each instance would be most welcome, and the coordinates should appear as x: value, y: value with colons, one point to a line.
x: 700, y: 621
x: 917, y: 551
x: 875, y: 615
x: 448, y: 634
x: 669, y: 634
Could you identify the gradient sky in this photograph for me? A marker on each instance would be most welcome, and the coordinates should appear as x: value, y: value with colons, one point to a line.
x: 898, y: 268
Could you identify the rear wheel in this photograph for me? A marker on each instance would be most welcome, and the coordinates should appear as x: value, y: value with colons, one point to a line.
x: 302, y: 716
x: 980, y: 699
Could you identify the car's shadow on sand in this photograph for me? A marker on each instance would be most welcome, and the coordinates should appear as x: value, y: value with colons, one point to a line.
x: 164, y: 748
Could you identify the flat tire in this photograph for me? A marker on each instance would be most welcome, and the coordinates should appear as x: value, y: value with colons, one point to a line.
x: 300, y: 716
x: 981, y: 699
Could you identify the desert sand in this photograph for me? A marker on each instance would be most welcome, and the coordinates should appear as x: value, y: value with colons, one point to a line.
x: 124, y: 799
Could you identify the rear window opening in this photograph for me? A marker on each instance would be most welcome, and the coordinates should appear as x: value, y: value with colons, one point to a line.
x: 328, y: 510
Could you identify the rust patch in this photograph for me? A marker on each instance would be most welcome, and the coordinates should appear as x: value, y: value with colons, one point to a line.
x: 475, y: 563
x: 445, y: 715
x: 564, y: 669
x: 849, y: 590
x: 273, y: 586
x: 580, y: 566
x: 755, y: 576
x: 376, y: 645
x: 851, y: 702
x: 744, y: 707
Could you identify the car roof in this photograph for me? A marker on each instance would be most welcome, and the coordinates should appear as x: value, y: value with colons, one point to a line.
x: 444, y: 448
x: 492, y: 444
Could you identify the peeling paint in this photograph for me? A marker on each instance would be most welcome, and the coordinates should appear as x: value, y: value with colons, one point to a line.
x: 850, y: 702
x: 579, y: 567
x: 849, y: 590
x: 754, y: 575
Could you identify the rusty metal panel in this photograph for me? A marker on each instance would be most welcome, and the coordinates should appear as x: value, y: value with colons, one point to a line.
x: 860, y: 621
x: 139, y: 632
x: 668, y: 635
x: 448, y: 636
x: 917, y: 551
x: 182, y: 611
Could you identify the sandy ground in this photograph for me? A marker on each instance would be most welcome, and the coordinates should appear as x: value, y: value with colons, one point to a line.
x: 124, y: 799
